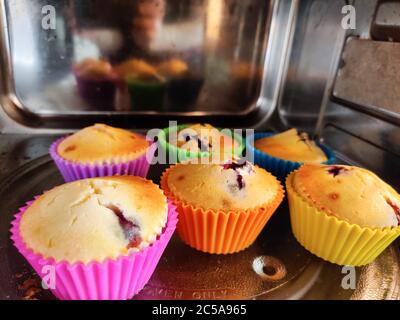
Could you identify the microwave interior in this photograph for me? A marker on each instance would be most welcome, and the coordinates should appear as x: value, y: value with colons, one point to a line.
x: 251, y: 64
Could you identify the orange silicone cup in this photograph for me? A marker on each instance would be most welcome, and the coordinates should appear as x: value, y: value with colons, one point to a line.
x: 218, y: 231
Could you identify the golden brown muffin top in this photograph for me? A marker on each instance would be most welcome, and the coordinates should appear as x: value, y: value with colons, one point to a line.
x: 205, y: 138
x: 102, y: 144
x: 94, y: 69
x: 135, y: 67
x: 349, y: 193
x: 173, y: 68
x: 95, y: 219
x: 229, y: 186
x: 291, y: 146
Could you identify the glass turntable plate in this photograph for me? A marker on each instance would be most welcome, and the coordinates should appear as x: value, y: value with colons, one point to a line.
x: 274, y: 267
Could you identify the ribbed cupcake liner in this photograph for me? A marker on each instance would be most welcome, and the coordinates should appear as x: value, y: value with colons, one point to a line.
x: 335, y: 240
x: 279, y: 167
x: 72, y: 171
x: 220, y: 232
x: 98, y: 93
x: 146, y: 96
x: 182, y: 155
x: 118, y: 279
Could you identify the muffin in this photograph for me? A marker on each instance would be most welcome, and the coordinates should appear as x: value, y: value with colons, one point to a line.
x: 101, y: 150
x: 184, y: 85
x: 222, y: 207
x: 145, y: 86
x: 96, y: 82
x: 200, y: 141
x: 292, y: 146
x: 343, y: 214
x: 134, y: 66
x: 102, y: 236
x: 147, y: 91
x: 284, y: 152
x: 172, y: 68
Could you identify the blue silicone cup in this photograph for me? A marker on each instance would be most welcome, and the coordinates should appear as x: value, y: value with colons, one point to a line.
x: 279, y: 167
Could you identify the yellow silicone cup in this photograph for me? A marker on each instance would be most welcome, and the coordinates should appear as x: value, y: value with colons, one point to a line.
x: 218, y: 231
x: 335, y: 240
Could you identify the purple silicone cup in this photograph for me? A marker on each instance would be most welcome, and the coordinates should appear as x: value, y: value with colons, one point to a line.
x: 118, y: 279
x: 98, y: 93
x: 72, y: 171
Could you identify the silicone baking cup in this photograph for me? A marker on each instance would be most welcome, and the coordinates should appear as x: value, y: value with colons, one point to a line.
x: 146, y: 95
x: 182, y: 155
x: 335, y: 240
x: 220, y: 232
x: 279, y: 167
x: 118, y: 279
x: 98, y: 93
x: 72, y: 171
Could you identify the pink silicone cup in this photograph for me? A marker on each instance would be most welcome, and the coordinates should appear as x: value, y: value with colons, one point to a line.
x: 72, y: 171
x: 118, y: 279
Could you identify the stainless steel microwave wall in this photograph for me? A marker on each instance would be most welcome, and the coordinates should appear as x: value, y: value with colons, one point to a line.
x: 225, y: 44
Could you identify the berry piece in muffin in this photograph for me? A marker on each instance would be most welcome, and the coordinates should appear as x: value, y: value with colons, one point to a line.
x: 239, y: 168
x: 129, y: 227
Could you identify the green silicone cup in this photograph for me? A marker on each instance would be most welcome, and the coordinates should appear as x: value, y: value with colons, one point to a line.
x: 146, y: 95
x: 182, y: 155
